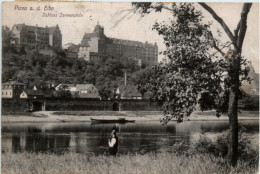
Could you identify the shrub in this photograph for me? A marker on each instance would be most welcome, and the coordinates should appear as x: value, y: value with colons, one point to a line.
x: 180, y: 148
x: 219, y: 147
x: 204, y: 145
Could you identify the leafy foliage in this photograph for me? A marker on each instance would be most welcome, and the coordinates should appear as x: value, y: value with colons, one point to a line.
x: 34, y: 68
x: 219, y: 146
x: 194, y: 75
x: 191, y: 70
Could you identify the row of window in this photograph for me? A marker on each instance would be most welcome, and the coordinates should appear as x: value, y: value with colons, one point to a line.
x: 14, y: 86
x: 10, y: 93
x: 83, y: 49
x: 129, y: 49
x: 85, y: 92
x: 6, y: 93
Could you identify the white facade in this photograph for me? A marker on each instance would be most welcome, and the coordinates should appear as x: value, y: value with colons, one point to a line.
x: 7, y: 93
x: 82, y: 90
x: 84, y: 53
x: 23, y: 95
x: 12, y: 89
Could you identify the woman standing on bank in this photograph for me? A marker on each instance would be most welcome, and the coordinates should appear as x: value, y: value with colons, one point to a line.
x: 113, y: 143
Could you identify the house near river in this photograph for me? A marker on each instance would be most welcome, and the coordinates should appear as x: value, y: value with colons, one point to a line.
x: 80, y: 90
x: 128, y: 92
x: 12, y: 89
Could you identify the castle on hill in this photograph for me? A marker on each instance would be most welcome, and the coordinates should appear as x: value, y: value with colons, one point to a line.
x: 32, y: 37
x: 96, y: 44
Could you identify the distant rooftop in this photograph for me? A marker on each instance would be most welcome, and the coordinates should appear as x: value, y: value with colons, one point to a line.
x: 12, y: 82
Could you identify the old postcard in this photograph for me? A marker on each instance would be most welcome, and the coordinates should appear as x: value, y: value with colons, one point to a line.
x: 129, y: 87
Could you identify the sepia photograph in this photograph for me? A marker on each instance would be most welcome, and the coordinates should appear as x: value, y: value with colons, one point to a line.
x: 130, y: 87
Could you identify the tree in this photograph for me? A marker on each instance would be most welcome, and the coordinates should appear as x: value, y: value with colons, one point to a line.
x: 7, y: 38
x: 237, y: 40
x: 140, y: 78
x: 192, y: 70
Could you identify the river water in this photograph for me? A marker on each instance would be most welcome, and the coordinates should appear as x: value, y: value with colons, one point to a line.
x: 139, y: 137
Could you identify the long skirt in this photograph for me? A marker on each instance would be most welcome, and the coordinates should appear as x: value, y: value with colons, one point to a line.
x: 112, y: 151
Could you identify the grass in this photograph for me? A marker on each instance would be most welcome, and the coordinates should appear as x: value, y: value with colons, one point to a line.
x: 162, y: 163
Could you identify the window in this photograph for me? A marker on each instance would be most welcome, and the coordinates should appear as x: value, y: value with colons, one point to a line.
x: 2, y: 93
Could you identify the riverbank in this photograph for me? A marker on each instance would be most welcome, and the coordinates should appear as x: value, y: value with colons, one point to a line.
x: 84, y: 116
x: 163, y: 163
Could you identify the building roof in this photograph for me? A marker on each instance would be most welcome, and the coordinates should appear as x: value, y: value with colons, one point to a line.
x: 78, y: 86
x: 33, y: 92
x: 96, y: 33
x: 66, y: 85
x: 130, y: 42
x: 129, y: 91
x: 13, y: 83
x: 98, y: 27
x: 47, y: 29
x: 83, y: 86
x: 84, y: 43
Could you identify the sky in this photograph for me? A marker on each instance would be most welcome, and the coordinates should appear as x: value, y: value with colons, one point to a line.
x: 132, y: 27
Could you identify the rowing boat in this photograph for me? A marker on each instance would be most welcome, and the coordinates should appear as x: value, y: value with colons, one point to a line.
x: 119, y: 120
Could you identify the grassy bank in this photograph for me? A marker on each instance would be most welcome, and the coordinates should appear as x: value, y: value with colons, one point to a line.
x: 162, y: 163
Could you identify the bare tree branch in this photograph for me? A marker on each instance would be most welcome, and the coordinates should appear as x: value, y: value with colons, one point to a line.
x: 237, y: 30
x: 219, y: 50
x: 220, y: 20
x: 243, y: 25
x: 123, y: 17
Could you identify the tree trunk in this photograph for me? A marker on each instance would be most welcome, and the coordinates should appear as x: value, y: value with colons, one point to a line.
x: 233, y: 116
x: 237, y: 39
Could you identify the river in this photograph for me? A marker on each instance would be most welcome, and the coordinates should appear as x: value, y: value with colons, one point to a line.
x: 139, y: 137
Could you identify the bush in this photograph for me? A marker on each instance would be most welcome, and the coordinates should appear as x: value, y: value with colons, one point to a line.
x: 204, y: 145
x: 219, y: 147
x: 180, y: 148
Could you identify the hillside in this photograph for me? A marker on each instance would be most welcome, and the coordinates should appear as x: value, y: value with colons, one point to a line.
x: 33, y: 68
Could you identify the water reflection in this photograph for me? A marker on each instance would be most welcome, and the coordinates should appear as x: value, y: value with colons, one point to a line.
x: 139, y: 137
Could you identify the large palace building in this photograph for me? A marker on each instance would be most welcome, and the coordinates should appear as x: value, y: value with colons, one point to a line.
x: 33, y: 37
x: 96, y: 44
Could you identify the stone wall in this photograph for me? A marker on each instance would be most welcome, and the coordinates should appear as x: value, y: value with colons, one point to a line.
x: 101, y: 105
x: 13, y: 105
x: 78, y: 104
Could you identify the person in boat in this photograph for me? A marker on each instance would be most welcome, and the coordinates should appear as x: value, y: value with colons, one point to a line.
x: 113, y: 143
